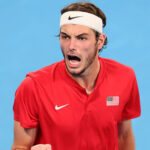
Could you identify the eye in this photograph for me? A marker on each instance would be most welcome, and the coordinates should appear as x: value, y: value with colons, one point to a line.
x: 82, y: 38
x: 64, y: 37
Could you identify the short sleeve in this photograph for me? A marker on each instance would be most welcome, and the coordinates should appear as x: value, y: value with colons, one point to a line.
x: 25, y: 104
x: 132, y: 108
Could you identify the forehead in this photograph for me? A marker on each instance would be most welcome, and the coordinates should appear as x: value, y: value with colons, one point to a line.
x: 76, y: 29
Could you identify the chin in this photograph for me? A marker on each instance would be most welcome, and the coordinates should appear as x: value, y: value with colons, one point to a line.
x: 75, y: 72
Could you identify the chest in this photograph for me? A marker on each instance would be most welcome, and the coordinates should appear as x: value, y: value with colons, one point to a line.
x: 68, y: 107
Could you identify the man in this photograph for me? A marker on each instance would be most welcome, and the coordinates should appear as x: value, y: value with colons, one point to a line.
x: 83, y: 102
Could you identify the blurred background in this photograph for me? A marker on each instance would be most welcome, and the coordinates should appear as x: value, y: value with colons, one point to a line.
x: 28, y: 42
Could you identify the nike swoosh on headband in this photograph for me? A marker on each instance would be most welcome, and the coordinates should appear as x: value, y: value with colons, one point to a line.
x: 70, y: 18
x: 82, y: 18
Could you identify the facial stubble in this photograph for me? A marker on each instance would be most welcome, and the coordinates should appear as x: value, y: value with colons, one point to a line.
x: 89, y: 61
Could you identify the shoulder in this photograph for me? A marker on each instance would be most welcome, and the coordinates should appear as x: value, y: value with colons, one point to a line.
x: 117, y: 69
x: 47, y: 72
x: 43, y: 76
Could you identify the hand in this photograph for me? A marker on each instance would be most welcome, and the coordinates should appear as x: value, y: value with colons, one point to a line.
x: 41, y: 147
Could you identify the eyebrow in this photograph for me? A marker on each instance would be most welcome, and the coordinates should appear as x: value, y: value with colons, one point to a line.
x: 82, y: 34
x: 64, y: 33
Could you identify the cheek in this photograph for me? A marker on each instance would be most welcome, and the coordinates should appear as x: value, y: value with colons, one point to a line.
x: 86, y: 48
x: 89, y: 49
x: 62, y: 49
x: 90, y: 52
x: 62, y: 46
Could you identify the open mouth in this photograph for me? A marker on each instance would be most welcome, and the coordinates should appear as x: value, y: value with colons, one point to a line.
x: 73, y: 58
x: 74, y: 61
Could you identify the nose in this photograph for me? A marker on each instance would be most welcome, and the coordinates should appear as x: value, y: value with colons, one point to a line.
x: 72, y: 44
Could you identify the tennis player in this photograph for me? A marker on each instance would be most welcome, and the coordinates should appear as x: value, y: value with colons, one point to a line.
x: 84, y: 102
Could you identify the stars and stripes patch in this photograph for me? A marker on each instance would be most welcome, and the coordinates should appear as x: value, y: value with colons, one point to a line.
x: 112, y: 101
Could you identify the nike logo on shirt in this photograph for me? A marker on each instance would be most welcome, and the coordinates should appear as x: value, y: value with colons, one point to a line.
x: 70, y: 18
x: 60, y: 107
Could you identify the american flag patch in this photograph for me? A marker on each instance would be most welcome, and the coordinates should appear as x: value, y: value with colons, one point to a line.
x: 112, y: 101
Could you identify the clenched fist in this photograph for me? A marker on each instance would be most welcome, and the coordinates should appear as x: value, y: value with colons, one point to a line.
x: 41, y: 147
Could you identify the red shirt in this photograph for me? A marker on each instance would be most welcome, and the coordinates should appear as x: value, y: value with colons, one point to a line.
x: 67, y: 117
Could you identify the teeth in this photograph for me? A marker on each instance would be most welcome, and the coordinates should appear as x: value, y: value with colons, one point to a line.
x: 74, y: 62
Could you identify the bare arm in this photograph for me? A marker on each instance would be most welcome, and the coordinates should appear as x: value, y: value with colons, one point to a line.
x: 23, y: 138
x: 125, y: 136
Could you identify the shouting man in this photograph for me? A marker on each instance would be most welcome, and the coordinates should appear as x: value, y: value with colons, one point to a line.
x: 83, y: 102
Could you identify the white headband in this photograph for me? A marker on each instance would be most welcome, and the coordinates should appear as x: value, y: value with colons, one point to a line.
x: 82, y: 18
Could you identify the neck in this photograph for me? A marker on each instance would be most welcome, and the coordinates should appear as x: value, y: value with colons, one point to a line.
x: 88, y: 79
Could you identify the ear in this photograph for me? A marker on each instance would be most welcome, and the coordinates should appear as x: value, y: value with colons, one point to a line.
x: 101, y: 40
